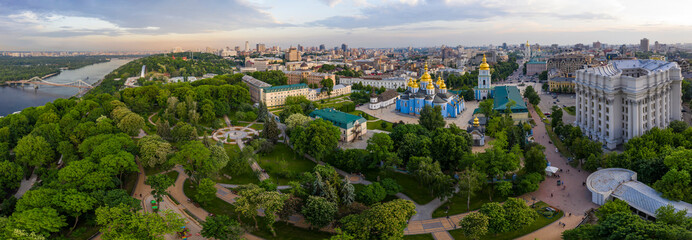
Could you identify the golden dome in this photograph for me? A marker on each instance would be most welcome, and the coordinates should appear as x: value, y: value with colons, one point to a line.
x: 475, y: 122
x: 443, y: 85
x: 527, y: 43
x: 410, y: 82
x: 415, y: 85
x: 426, y: 76
x: 430, y: 86
x: 484, y: 65
x: 439, y: 81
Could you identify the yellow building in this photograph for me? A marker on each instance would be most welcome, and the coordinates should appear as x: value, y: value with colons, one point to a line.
x: 561, y: 84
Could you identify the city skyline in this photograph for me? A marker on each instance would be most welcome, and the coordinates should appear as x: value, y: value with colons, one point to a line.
x: 38, y: 25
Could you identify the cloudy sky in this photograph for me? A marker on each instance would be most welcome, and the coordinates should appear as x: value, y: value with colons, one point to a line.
x: 194, y: 24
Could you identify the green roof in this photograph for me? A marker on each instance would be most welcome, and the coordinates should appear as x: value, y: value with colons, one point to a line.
x: 284, y: 87
x: 338, y: 118
x: 503, y: 94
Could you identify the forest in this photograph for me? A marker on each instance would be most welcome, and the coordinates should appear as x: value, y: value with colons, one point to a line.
x: 24, y: 68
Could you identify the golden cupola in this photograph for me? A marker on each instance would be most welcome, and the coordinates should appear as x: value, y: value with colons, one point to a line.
x: 476, y: 123
x: 426, y: 76
x: 443, y: 85
x: 415, y: 84
x: 410, y: 82
x: 430, y: 86
x: 484, y: 64
x: 439, y: 81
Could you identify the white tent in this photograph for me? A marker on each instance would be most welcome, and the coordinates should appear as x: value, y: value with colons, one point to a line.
x: 550, y: 170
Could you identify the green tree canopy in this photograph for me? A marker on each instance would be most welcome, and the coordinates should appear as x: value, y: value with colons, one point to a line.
x: 474, y: 225
x: 431, y: 118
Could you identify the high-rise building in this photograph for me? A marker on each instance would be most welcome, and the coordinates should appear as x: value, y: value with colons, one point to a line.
x: 292, y: 55
x: 300, y: 48
x: 644, y: 45
x: 597, y: 44
x: 657, y: 47
x: 237, y: 48
x: 344, y: 47
x: 261, y: 48
x: 247, y: 46
x: 322, y: 47
x: 626, y: 98
x: 504, y: 46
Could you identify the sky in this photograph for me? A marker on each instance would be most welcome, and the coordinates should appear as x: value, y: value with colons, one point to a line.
x: 114, y: 25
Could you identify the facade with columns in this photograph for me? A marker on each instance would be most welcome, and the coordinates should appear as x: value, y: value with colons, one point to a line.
x: 626, y: 98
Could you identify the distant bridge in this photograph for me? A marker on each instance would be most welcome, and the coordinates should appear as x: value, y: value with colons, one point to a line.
x: 39, y: 81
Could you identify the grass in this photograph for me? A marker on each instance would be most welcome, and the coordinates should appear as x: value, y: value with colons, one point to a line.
x: 173, y: 175
x: 241, y: 124
x: 571, y: 110
x: 284, y: 231
x: 540, y: 222
x: 363, y: 114
x: 557, y: 142
x: 281, y: 173
x: 457, y: 204
x: 411, y: 186
x: 156, y: 170
x: 257, y: 126
x: 538, y: 110
x: 426, y: 236
x: 378, y: 125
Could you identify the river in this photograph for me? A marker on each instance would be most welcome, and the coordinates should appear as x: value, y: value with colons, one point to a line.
x: 14, y: 99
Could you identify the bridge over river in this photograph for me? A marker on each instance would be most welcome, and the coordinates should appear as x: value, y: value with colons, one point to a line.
x: 36, y: 81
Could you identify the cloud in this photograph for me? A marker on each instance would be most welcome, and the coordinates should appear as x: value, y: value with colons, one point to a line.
x: 409, y: 12
x: 331, y: 3
x: 153, y: 16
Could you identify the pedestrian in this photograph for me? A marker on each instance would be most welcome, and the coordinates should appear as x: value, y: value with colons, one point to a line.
x: 570, y: 214
x: 551, y: 194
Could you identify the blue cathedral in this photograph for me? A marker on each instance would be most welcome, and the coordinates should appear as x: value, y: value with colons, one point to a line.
x: 424, y: 92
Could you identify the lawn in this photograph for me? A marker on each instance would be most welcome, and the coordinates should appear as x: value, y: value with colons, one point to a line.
x: 571, y: 110
x: 557, y: 142
x: 284, y: 231
x: 173, y: 175
x: 411, y: 186
x: 378, y: 125
x: 457, y: 204
x: 539, y: 112
x: 427, y: 236
x: 283, y: 165
x: 540, y: 222
x: 257, y: 126
x: 363, y: 114
x: 158, y: 169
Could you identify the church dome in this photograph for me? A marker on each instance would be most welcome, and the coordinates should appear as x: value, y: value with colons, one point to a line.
x: 484, y: 64
x: 439, y: 81
x: 430, y: 86
x: 476, y: 122
x: 410, y: 82
x: 426, y: 76
x: 443, y: 85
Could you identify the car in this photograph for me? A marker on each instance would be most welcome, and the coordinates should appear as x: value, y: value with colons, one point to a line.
x: 557, y: 100
x: 554, y: 102
x: 564, y: 106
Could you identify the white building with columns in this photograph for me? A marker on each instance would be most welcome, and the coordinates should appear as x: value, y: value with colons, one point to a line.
x: 624, y: 99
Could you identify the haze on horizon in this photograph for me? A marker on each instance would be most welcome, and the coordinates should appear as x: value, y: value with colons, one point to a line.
x: 45, y: 25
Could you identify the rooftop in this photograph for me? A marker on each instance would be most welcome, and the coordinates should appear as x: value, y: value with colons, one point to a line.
x: 255, y: 82
x: 285, y: 87
x: 562, y: 79
x: 503, y: 94
x: 616, y: 67
x: 338, y: 118
x: 622, y: 184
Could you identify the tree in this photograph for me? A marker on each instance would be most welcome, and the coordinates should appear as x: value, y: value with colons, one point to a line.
x: 115, y: 197
x: 534, y: 159
x: 222, y: 228
x: 504, y: 188
x: 381, y: 149
x: 678, y: 126
x: 124, y: 223
x: 253, y: 198
x: 33, y: 151
x: 390, y: 186
x: 668, y: 215
x: 431, y: 118
x: 328, y: 85
x: 159, y: 183
x: 295, y: 120
x: 317, y: 139
x: 371, y: 194
x: 76, y: 203
x: 556, y: 117
x: 448, y: 147
x: 532, y: 95
x: 117, y: 164
x: 43, y: 221
x: 497, y: 223
x: 271, y: 131
x: 474, y: 225
x: 382, y: 221
x: 487, y: 108
x: 470, y: 181
x: 201, y: 161
x: 10, y: 175
x: 319, y: 212
x: 153, y: 150
x: 675, y: 185
x: 131, y: 124
x: 518, y: 214
x: 163, y: 129
x: 206, y: 190
x: 348, y: 194
x: 184, y: 132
